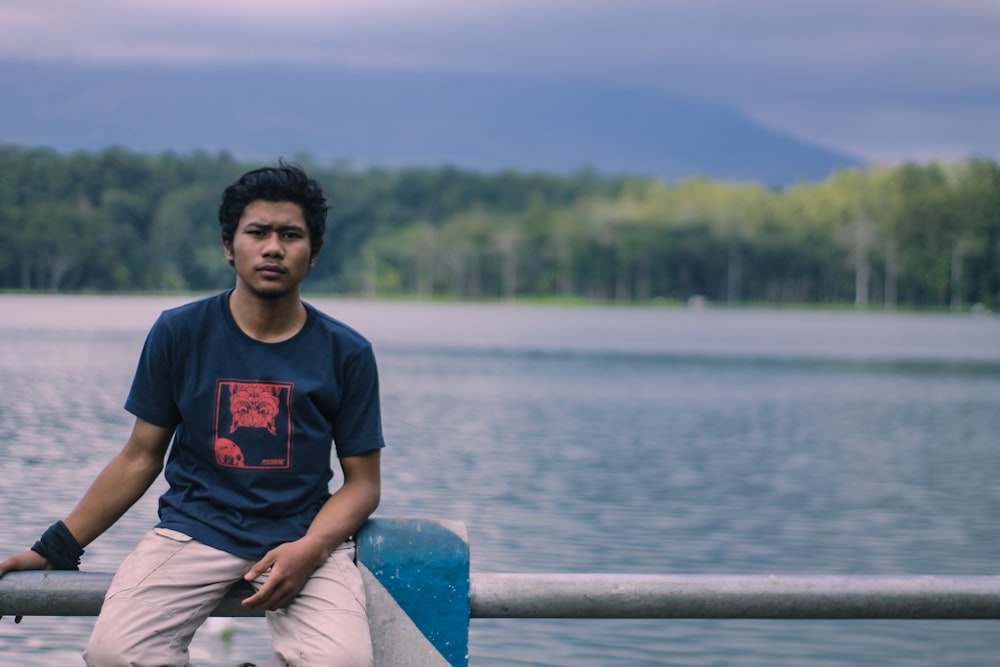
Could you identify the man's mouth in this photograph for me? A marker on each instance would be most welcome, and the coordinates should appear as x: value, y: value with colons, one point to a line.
x: 271, y: 269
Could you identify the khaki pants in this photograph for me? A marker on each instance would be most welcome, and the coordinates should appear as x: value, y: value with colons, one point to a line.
x: 167, y: 587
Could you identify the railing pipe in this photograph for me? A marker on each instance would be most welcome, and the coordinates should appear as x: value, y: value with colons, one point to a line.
x: 734, y: 596
x: 612, y: 596
x: 53, y: 593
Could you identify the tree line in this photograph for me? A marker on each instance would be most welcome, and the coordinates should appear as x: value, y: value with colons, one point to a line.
x: 915, y: 236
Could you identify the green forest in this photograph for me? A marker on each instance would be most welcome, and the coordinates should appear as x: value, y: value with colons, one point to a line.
x: 920, y: 236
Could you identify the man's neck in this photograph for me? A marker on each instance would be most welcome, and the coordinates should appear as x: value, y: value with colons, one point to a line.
x: 264, y: 319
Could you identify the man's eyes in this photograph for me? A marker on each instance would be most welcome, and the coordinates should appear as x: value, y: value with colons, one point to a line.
x: 288, y: 234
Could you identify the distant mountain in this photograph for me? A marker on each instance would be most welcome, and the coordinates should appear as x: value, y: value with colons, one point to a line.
x: 395, y: 119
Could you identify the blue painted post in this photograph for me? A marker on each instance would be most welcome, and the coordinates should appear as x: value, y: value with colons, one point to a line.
x: 416, y: 574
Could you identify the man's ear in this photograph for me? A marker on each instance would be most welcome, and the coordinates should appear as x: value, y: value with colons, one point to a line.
x: 227, y: 250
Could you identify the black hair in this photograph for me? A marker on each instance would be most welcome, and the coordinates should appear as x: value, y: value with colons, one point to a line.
x: 281, y: 183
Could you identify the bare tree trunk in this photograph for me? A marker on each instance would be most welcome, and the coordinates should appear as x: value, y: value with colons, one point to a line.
x: 734, y: 275
x: 370, y: 273
x: 422, y: 278
x: 473, y: 282
x: 506, y: 243
x: 957, y: 257
x: 25, y: 275
x: 643, y: 282
x: 565, y: 278
x: 564, y: 271
x: 58, y: 268
x: 862, y: 270
x: 621, y: 278
x: 891, y: 275
x: 510, y: 274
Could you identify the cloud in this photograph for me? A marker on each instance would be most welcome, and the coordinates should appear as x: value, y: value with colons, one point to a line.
x: 223, y: 30
x: 815, y: 68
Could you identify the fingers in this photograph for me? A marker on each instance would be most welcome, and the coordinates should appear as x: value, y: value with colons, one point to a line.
x: 261, y: 599
x: 290, y: 566
x: 276, y: 593
x: 261, y: 566
x: 28, y: 560
x: 255, y: 599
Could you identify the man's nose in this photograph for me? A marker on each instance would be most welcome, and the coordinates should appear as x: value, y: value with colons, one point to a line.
x: 272, y: 245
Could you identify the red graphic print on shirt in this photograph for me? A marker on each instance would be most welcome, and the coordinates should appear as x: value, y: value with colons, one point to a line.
x: 228, y: 453
x: 253, y: 424
x: 253, y: 406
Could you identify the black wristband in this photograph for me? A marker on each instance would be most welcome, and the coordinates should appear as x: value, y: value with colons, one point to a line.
x: 58, y: 546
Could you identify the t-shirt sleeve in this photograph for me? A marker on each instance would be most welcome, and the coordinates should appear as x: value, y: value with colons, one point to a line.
x: 358, y: 425
x: 151, y: 397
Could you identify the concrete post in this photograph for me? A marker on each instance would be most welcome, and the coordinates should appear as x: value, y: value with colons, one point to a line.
x: 416, y: 574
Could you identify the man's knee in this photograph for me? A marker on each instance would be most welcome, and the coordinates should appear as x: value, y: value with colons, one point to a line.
x: 338, y: 657
x: 347, y: 644
x: 103, y: 653
x: 118, y: 642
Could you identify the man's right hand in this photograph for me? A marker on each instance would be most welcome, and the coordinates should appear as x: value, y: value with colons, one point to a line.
x: 27, y: 560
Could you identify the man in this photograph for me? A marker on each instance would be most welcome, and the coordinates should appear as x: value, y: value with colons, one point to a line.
x: 254, y: 388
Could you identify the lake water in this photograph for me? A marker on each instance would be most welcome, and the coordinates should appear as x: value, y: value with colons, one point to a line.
x: 637, y: 440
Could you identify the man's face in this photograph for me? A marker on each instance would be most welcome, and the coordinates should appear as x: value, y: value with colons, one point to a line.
x: 270, y: 249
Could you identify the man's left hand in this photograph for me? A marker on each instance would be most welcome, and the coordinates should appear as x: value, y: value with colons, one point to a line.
x: 290, y: 564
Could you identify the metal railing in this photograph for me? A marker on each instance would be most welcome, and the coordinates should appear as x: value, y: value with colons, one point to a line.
x: 734, y: 596
x: 511, y: 595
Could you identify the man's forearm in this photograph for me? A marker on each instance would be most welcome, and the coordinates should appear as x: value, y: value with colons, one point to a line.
x: 343, y: 514
x: 348, y: 509
x: 122, y: 482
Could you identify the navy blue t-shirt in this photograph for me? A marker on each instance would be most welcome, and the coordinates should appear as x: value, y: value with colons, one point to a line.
x: 256, y: 423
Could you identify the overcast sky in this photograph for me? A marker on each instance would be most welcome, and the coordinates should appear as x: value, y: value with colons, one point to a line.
x: 885, y: 80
